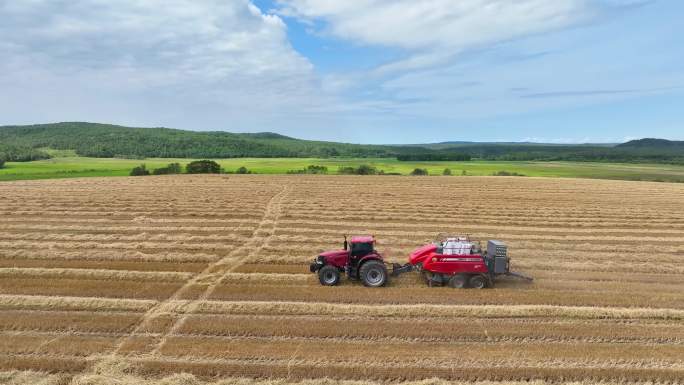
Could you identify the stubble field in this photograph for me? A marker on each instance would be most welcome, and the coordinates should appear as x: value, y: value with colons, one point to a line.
x: 131, y: 280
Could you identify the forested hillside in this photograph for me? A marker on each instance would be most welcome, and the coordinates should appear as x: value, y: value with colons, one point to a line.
x: 106, y: 141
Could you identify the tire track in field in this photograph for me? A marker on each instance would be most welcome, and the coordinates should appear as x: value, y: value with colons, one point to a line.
x: 268, y: 225
x: 270, y: 216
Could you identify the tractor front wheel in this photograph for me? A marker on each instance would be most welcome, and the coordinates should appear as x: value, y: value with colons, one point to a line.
x: 329, y: 275
x: 373, y: 274
x: 478, y: 282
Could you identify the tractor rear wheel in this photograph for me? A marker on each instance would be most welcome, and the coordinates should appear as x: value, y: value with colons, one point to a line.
x: 329, y: 275
x: 373, y: 274
x: 458, y: 281
x: 478, y: 282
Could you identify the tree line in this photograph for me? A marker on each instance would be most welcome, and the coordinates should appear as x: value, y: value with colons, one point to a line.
x: 196, y: 167
x: 574, y: 153
x: 435, y: 157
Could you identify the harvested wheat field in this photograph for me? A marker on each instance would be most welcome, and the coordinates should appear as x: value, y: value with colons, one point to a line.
x: 204, y: 280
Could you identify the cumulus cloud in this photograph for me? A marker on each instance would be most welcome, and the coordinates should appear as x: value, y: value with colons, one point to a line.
x: 100, y: 54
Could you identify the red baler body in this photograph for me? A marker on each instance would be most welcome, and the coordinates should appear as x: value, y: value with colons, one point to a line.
x: 431, y: 261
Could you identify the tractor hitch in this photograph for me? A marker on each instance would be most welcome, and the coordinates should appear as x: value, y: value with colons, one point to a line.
x: 398, y: 269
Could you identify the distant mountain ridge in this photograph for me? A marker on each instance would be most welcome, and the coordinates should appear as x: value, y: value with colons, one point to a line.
x: 652, y: 143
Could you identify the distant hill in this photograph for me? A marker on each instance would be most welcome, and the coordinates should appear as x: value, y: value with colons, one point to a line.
x: 106, y: 141
x: 652, y: 143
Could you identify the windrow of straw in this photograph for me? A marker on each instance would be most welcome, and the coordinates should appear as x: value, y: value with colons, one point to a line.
x: 119, y: 275
x: 422, y: 310
x: 24, y: 302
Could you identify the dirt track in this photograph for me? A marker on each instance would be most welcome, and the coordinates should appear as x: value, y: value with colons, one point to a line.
x: 208, y: 275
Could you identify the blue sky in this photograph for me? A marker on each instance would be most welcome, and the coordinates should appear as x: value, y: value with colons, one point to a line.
x: 370, y: 71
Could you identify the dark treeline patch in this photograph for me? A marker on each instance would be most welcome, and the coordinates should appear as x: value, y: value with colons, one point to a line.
x: 14, y: 153
x: 506, y: 173
x: 575, y: 153
x: 172, y: 168
x: 140, y: 171
x: 435, y: 157
x: 363, y: 169
x: 311, y: 169
x: 203, y: 167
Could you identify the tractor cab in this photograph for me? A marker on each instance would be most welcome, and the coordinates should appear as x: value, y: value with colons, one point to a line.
x: 360, y: 246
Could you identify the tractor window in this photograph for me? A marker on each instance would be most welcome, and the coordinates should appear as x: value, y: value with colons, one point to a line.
x: 361, y: 249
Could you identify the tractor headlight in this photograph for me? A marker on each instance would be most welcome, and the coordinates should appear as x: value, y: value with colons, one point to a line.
x: 317, y: 264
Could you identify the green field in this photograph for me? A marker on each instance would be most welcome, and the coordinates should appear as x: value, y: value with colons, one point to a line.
x: 71, y: 167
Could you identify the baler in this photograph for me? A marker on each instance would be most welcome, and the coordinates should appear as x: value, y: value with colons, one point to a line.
x: 461, y: 263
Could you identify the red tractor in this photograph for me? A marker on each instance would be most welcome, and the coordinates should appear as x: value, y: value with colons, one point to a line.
x: 358, y: 259
x: 455, y: 261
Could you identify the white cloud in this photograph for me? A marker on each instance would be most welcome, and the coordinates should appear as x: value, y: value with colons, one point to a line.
x: 433, y: 31
x: 436, y: 39
x: 146, y: 55
x: 465, y: 61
